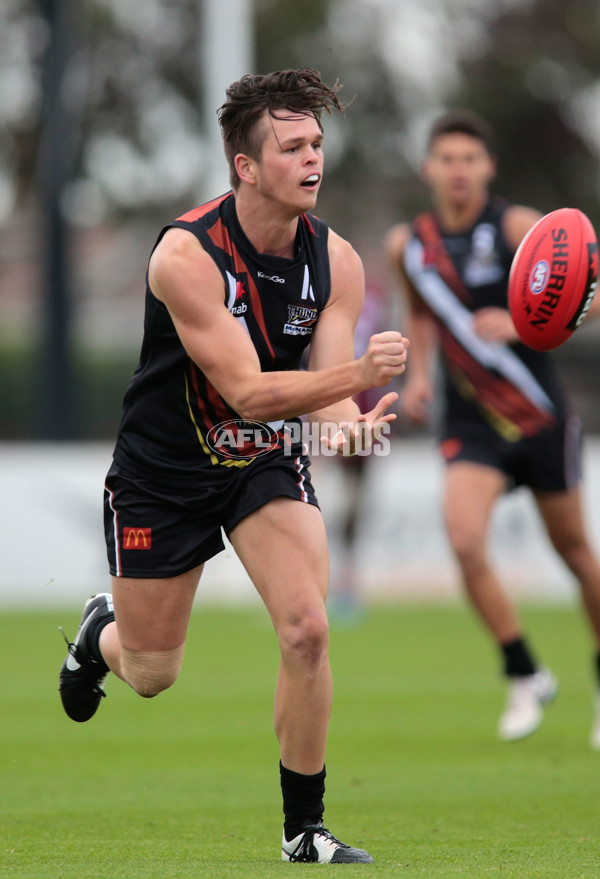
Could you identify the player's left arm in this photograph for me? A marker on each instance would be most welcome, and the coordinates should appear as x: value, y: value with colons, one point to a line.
x: 496, y: 324
x: 333, y: 343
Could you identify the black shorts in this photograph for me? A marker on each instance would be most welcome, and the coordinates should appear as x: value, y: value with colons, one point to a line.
x: 154, y: 530
x: 549, y: 461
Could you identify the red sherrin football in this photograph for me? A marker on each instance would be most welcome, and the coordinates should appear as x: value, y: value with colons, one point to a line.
x: 552, y: 278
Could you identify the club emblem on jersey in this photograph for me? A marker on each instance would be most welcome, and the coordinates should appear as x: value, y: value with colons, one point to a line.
x: 483, y: 265
x: 300, y: 320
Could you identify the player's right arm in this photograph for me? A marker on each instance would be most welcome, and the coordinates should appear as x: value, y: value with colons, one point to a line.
x: 421, y: 329
x: 186, y: 279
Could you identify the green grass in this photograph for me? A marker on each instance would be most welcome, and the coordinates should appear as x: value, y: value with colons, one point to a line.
x: 187, y: 784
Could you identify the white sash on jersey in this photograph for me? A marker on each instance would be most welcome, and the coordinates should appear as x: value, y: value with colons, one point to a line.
x: 459, y: 321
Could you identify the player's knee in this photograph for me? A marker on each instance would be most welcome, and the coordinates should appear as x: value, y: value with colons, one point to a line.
x: 468, y: 545
x: 305, y: 638
x: 151, y: 672
x: 577, y: 555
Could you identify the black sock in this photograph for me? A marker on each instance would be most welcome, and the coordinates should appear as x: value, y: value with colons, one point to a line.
x: 302, y: 799
x: 597, y: 666
x: 518, y: 661
x: 92, y: 637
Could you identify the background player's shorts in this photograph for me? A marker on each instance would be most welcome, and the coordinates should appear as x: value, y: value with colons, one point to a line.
x: 549, y: 461
x: 154, y: 530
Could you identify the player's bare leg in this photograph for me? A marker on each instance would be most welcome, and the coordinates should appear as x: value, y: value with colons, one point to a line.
x: 562, y: 513
x: 143, y: 646
x: 471, y: 492
x: 283, y: 546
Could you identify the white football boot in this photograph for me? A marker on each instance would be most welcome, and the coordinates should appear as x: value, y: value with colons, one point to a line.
x: 317, y: 845
x: 524, y: 708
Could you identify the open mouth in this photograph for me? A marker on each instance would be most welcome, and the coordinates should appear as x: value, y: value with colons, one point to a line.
x: 310, y: 181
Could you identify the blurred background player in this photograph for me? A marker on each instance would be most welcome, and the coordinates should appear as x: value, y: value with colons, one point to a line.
x: 507, y: 421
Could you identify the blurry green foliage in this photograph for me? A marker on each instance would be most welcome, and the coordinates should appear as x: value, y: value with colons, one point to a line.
x: 101, y: 379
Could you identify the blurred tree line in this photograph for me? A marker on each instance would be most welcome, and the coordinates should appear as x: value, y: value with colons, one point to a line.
x: 134, y: 144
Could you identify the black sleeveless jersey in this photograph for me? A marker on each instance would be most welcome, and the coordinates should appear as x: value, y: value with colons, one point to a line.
x: 510, y: 386
x: 172, y: 416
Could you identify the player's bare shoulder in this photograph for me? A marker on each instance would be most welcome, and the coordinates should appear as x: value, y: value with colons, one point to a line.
x: 346, y: 267
x: 178, y: 256
x: 342, y: 253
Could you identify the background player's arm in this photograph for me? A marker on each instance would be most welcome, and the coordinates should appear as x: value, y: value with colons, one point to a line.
x: 496, y: 324
x: 421, y: 330
x: 186, y: 279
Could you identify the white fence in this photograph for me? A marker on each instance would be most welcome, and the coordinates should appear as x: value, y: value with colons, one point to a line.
x: 52, y: 541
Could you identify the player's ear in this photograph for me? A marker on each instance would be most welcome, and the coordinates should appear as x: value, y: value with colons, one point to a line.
x: 245, y: 167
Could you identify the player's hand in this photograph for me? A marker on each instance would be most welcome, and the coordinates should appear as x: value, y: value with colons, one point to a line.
x: 494, y: 325
x: 359, y: 435
x: 416, y: 398
x: 384, y: 358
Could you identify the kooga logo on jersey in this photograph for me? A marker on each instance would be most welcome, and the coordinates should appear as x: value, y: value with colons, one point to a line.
x: 275, y: 278
x: 242, y: 439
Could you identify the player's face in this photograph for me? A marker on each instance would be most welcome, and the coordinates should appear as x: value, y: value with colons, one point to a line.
x: 459, y: 169
x: 290, y: 167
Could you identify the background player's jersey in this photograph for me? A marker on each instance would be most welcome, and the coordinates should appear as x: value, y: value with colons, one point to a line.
x: 174, y: 421
x: 510, y: 386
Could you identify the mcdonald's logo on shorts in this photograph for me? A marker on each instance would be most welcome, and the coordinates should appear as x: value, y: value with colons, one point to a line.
x: 137, y: 538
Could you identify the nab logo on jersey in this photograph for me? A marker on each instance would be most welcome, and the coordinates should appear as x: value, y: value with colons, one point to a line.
x: 239, y: 307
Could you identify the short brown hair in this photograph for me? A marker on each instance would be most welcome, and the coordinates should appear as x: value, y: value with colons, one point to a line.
x: 299, y: 91
x: 463, y: 122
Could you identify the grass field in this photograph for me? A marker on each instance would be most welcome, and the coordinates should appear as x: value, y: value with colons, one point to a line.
x: 187, y: 784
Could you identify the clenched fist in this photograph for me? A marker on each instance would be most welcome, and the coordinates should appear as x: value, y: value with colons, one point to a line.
x: 384, y: 358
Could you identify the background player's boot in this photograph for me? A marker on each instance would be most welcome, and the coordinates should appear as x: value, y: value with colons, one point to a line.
x: 84, y: 671
x: 526, y: 698
x: 317, y: 845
